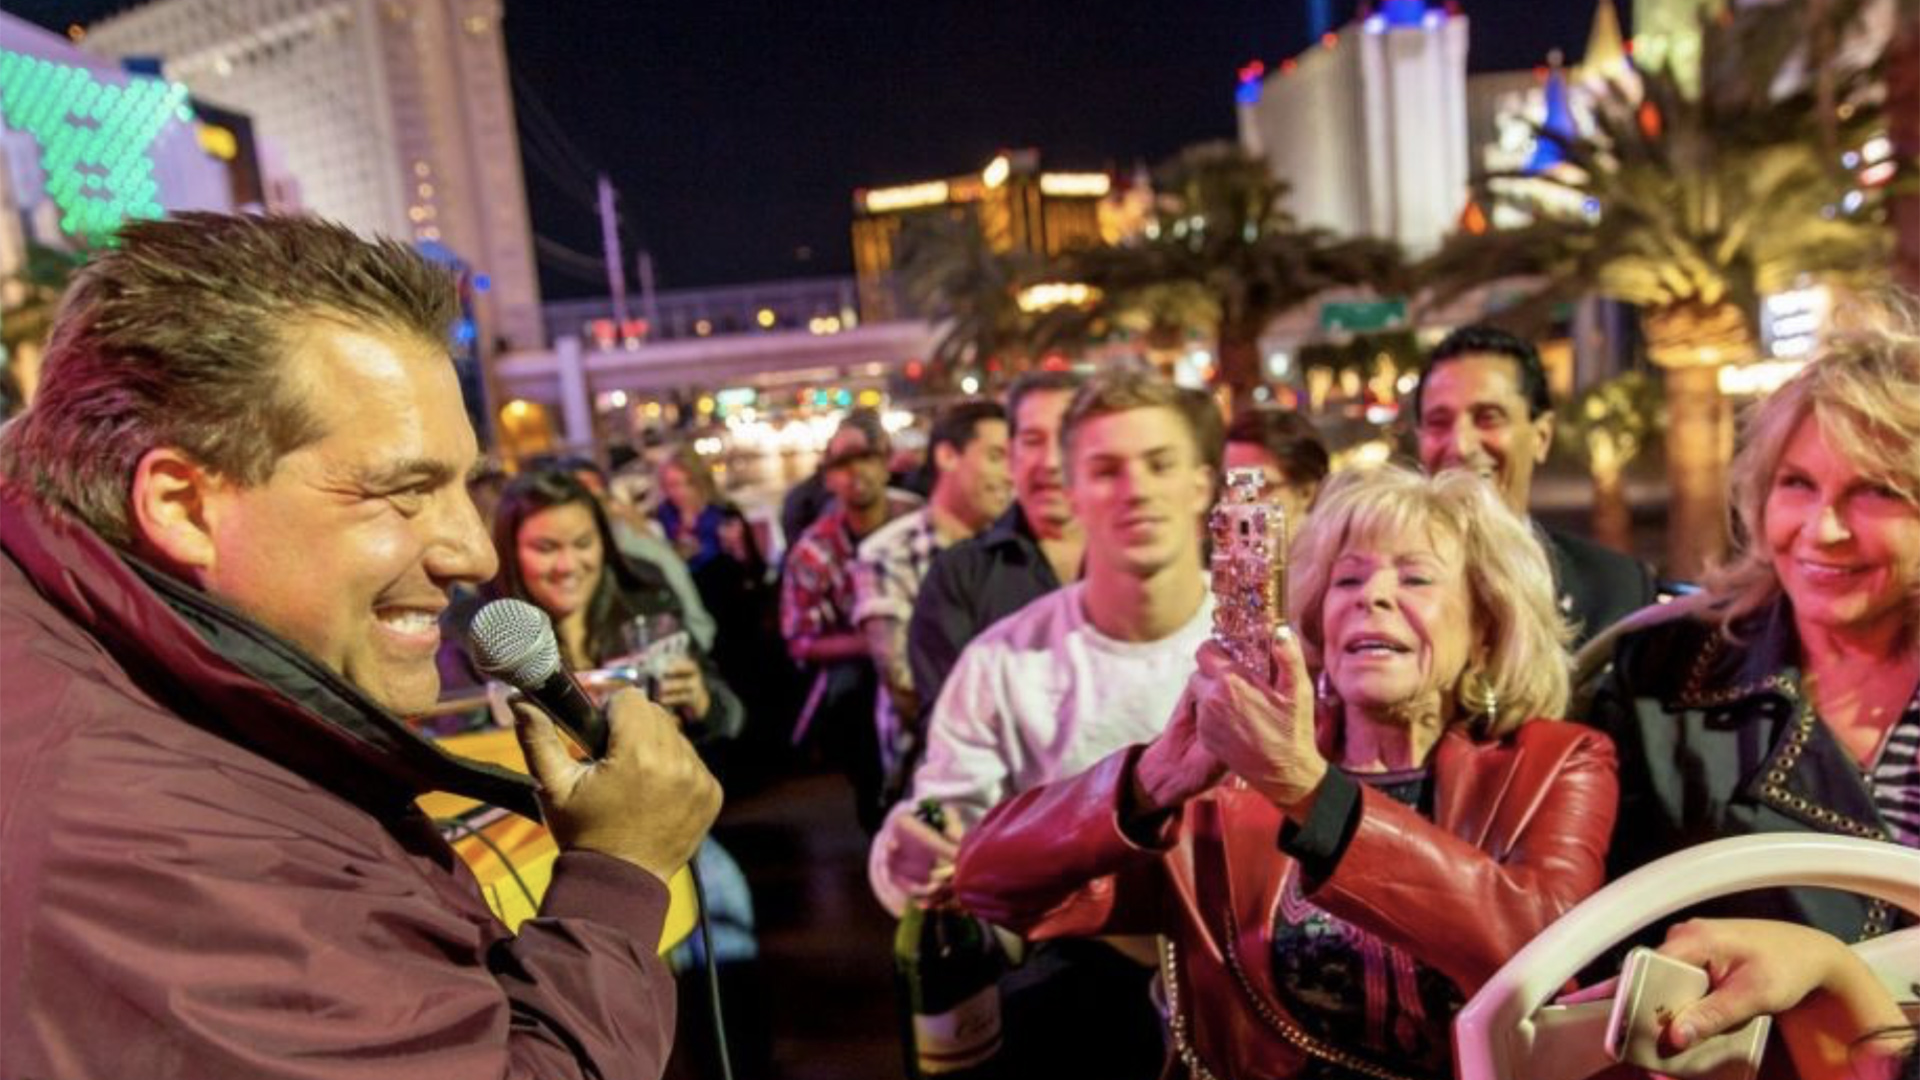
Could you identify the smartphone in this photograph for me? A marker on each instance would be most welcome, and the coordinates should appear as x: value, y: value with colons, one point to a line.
x: 1653, y: 988
x: 658, y: 656
x: 1249, y: 570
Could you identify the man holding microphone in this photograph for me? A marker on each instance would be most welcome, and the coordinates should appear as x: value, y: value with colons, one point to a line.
x: 230, y: 522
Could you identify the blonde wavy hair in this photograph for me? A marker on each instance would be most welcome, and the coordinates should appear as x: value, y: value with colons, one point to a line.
x: 1516, y: 623
x: 1864, y: 391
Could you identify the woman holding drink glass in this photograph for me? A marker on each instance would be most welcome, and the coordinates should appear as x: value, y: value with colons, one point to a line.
x: 557, y: 552
x: 1333, y: 877
x: 617, y: 620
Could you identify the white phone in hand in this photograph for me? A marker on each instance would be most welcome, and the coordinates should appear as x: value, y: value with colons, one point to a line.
x: 1653, y: 989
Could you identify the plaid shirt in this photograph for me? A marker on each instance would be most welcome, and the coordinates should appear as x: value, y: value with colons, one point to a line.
x: 886, y: 579
x: 817, y: 592
x: 892, y: 563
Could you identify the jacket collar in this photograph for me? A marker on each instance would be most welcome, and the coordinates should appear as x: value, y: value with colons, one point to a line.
x: 1766, y: 662
x: 1466, y: 791
x: 1806, y: 774
x: 221, y: 671
x: 1010, y: 528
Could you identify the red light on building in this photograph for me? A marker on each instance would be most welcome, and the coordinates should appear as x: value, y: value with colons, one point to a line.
x: 915, y: 369
x: 1054, y: 362
x: 1287, y: 65
x: 1329, y: 39
x: 1649, y: 118
x: 1474, y: 220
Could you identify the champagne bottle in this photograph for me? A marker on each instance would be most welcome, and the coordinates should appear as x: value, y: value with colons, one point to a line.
x: 948, y: 966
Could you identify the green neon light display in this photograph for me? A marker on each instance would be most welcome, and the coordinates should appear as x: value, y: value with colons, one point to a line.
x: 94, y: 138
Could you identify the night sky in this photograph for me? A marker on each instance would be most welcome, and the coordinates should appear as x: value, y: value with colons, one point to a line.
x: 737, y: 132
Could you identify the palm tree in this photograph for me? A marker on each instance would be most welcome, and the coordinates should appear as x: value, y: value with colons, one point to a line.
x: 950, y: 273
x: 1903, y: 114
x: 1220, y: 254
x: 27, y: 303
x: 1607, y: 426
x: 1694, y: 206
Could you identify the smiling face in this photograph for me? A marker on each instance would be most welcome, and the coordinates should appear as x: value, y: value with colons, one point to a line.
x: 1035, y: 459
x: 561, y: 557
x: 1139, y: 490
x: 979, y: 473
x: 1474, y: 416
x: 1845, y: 546
x: 349, y: 547
x: 1397, y: 625
x: 858, y: 475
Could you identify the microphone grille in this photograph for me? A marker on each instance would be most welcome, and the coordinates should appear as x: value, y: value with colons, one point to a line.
x: 513, y: 641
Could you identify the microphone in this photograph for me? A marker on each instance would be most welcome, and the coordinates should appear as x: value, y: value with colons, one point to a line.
x: 512, y: 641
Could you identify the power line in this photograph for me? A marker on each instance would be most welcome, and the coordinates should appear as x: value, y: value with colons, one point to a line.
x: 566, y: 150
x: 557, y: 156
x: 573, y: 189
x: 563, y: 259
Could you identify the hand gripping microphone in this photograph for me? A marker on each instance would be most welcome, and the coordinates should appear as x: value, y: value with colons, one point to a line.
x: 511, y: 640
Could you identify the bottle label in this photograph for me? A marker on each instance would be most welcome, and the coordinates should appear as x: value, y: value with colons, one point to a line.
x: 962, y: 1037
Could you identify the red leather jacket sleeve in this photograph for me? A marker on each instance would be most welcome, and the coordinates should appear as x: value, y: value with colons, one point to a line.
x: 1542, y: 850
x: 1053, y: 862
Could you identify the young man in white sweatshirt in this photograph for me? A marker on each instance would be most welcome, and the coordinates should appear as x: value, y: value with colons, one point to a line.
x: 1098, y: 665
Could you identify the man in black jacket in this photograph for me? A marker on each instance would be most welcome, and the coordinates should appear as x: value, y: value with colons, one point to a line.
x: 1482, y: 404
x: 1031, y: 550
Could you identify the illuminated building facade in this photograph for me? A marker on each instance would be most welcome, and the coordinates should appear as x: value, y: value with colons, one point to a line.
x: 1369, y: 127
x: 396, y: 116
x: 90, y: 144
x: 1016, y: 206
x: 86, y: 145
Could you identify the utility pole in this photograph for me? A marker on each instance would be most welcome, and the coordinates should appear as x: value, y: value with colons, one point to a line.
x: 649, y: 306
x: 610, y: 246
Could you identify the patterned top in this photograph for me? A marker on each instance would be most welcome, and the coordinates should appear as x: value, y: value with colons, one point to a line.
x: 886, y: 577
x: 816, y: 591
x: 893, y: 561
x: 1895, y: 777
x: 1354, y: 990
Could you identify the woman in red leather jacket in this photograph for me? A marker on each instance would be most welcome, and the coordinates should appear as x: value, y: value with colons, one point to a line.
x: 1330, y: 890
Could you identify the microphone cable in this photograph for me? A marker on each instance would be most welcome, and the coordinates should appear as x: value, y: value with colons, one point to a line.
x: 713, y: 970
x: 700, y: 911
x: 533, y: 902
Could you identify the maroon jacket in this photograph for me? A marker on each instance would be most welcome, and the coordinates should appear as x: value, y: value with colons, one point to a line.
x: 214, y: 867
x: 1519, y: 836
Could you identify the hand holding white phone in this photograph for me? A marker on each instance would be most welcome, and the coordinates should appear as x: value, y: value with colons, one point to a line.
x: 1652, y: 990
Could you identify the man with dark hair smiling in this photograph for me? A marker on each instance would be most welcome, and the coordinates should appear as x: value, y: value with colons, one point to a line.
x: 967, y: 450
x: 1025, y: 554
x: 230, y: 522
x: 1482, y: 404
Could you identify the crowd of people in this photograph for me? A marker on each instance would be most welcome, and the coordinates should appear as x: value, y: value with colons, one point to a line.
x: 245, y: 529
